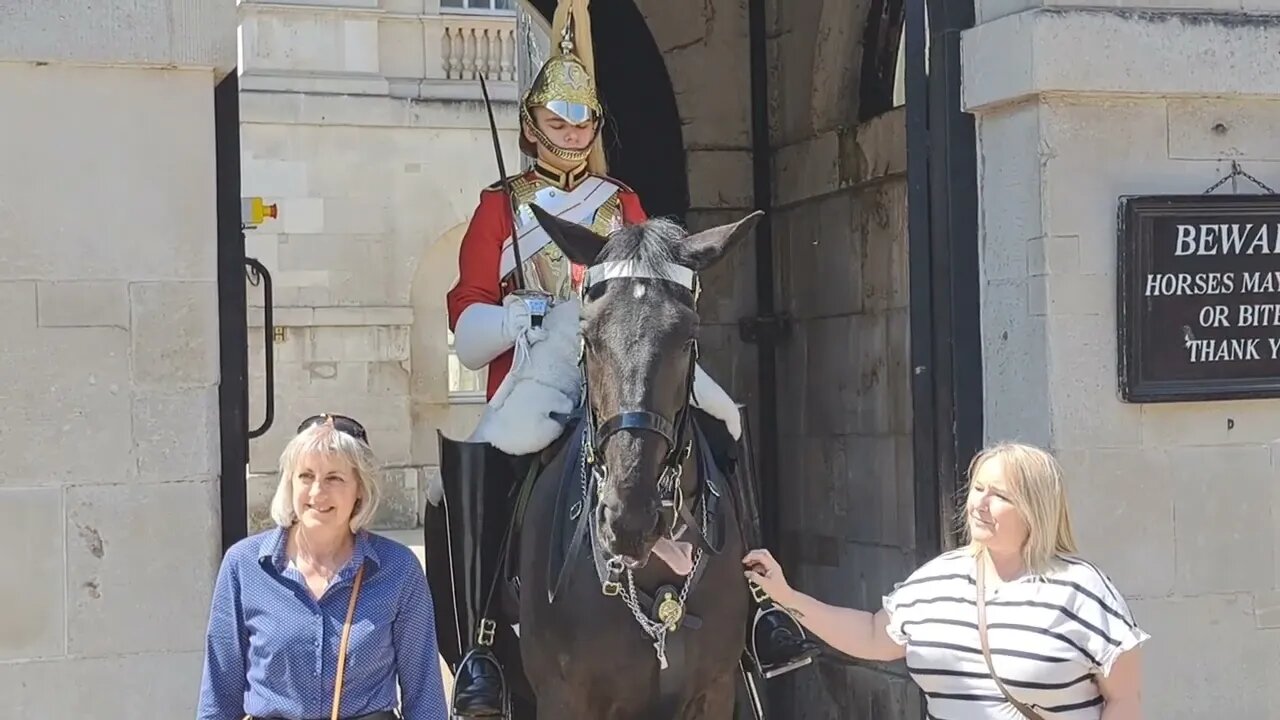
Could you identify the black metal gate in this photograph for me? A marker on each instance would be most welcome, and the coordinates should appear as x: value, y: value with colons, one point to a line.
x: 233, y: 330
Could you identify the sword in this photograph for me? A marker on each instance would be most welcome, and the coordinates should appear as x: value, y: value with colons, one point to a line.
x: 538, y: 302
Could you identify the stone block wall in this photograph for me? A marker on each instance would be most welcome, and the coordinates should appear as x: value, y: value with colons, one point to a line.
x: 108, y: 367
x: 840, y: 258
x: 848, y: 517
x: 359, y: 288
x: 1177, y: 502
x: 376, y: 164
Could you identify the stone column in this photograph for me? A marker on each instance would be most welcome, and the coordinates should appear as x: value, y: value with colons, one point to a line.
x: 1077, y: 106
x: 109, y: 359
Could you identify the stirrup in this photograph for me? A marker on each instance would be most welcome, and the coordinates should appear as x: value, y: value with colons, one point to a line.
x: 805, y: 658
x: 487, y: 656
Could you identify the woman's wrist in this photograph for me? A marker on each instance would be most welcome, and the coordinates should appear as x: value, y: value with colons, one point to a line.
x: 788, y: 598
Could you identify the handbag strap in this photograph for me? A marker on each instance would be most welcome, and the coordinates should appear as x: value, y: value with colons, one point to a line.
x: 986, y: 649
x: 342, y: 647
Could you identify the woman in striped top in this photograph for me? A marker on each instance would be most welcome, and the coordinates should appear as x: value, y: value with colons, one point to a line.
x: 1061, y: 640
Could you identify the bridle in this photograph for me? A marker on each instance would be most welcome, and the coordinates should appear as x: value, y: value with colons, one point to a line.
x: 676, y: 517
x: 675, y: 431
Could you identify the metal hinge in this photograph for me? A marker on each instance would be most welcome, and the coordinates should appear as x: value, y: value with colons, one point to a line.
x: 765, y: 328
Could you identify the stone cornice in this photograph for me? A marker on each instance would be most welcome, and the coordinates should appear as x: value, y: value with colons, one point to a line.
x: 186, y: 34
x: 1119, y: 52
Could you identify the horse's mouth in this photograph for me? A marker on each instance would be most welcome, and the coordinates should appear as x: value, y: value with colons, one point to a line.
x: 632, y: 563
x: 632, y: 555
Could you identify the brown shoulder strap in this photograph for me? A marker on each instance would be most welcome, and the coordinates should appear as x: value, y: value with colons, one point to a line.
x: 986, y: 649
x: 342, y: 647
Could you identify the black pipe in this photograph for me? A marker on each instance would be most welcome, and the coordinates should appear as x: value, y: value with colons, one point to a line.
x: 233, y: 331
x: 762, y: 199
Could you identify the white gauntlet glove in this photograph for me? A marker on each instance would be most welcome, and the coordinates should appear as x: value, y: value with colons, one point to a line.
x: 518, y: 322
x: 484, y: 332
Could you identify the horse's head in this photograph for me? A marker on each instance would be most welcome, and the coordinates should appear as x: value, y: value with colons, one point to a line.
x: 639, y: 332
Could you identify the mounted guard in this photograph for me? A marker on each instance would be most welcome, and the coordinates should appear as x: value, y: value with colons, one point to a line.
x: 514, y: 310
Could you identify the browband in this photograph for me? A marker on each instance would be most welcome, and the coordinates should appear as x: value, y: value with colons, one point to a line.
x: 633, y: 269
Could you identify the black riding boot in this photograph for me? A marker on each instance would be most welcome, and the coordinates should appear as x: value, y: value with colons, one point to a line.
x: 778, y: 643
x: 477, y: 484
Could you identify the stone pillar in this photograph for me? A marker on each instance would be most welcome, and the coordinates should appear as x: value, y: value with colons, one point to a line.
x: 109, y: 363
x: 1075, y: 107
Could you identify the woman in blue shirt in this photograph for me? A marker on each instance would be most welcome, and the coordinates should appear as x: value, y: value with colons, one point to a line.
x: 283, y: 598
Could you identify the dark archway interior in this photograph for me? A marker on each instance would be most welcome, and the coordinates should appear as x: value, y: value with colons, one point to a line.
x: 642, y: 136
x: 881, y: 40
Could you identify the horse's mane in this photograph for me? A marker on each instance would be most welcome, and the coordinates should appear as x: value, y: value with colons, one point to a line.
x: 654, y: 244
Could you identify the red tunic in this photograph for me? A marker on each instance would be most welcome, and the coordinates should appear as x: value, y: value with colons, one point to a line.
x: 481, y: 253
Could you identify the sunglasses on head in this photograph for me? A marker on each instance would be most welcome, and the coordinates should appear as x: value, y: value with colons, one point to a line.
x: 341, y: 423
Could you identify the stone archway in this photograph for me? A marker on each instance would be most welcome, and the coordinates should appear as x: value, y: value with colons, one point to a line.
x: 431, y: 406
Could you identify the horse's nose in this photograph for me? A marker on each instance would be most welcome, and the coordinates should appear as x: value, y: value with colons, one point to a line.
x: 629, y: 534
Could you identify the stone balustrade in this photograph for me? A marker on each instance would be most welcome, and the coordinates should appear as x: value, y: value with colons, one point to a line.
x: 314, y: 47
x: 473, y: 45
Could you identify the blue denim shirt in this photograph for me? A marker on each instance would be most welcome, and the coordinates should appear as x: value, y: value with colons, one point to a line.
x: 272, y: 650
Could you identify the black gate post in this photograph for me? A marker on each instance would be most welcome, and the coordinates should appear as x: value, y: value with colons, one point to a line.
x: 924, y: 370
x: 233, y: 330
x: 944, y: 258
x: 953, y: 180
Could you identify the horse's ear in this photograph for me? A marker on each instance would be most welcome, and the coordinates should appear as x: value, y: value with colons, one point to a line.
x: 701, y: 250
x: 580, y: 244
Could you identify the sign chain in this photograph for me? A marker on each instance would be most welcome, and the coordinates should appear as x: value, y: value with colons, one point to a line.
x: 1237, y: 171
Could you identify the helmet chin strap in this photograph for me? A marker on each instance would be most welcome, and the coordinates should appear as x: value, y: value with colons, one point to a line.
x: 560, y: 152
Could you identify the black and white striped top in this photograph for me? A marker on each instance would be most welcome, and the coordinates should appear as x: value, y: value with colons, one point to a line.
x: 1050, y: 635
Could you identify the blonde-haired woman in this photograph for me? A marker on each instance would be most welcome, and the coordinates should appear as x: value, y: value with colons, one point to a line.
x: 318, y: 617
x: 1049, y: 637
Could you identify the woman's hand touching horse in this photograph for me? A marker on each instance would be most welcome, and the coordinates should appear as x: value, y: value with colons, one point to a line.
x: 853, y: 632
x: 764, y: 570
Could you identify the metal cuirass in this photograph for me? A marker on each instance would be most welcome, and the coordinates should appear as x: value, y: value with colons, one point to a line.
x: 594, y: 202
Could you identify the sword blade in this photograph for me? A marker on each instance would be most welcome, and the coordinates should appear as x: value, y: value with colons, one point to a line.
x: 506, y: 186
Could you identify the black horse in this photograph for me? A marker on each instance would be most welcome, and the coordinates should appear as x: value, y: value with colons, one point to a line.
x: 607, y: 630
x: 624, y: 539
